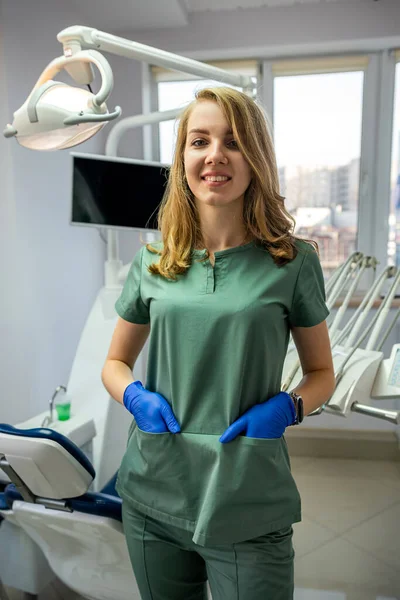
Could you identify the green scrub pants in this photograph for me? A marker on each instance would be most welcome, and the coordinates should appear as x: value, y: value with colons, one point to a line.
x: 169, y: 566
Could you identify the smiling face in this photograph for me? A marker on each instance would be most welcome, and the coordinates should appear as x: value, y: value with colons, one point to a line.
x: 216, y: 171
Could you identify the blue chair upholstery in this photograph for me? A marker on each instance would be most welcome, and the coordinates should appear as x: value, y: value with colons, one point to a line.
x: 98, y: 504
x: 90, y: 503
x: 3, y: 505
x: 10, y: 494
x: 109, y: 488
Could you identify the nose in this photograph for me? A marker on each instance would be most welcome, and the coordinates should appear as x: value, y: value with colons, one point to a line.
x: 216, y: 153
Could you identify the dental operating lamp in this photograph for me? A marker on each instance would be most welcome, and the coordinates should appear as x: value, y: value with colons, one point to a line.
x: 56, y: 116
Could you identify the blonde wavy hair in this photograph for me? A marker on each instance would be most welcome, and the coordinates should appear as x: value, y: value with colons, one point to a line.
x: 264, y: 212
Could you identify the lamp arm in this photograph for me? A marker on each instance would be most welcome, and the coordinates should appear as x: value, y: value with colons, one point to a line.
x: 77, y: 37
x: 129, y: 123
x: 86, y: 56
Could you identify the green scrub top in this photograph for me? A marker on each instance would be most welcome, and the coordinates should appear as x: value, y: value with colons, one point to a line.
x: 218, y: 341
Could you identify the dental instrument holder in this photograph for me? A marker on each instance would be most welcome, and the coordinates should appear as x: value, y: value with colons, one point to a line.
x: 376, y: 370
x: 380, y: 387
x: 373, y: 329
x: 380, y: 377
x: 340, y: 278
x: 349, y: 333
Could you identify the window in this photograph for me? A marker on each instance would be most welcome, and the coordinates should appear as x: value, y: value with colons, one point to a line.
x: 394, y: 217
x: 317, y: 134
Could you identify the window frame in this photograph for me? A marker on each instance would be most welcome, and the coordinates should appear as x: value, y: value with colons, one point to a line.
x: 376, y: 129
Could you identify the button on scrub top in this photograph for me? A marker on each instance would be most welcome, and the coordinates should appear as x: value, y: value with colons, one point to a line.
x: 218, y: 340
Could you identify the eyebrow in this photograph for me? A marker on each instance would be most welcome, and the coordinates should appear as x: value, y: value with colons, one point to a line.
x: 228, y: 132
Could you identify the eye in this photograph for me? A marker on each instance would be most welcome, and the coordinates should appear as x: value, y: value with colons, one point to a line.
x: 199, y: 143
x: 195, y: 142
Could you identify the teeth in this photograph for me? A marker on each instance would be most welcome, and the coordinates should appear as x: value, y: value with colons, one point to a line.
x: 219, y: 178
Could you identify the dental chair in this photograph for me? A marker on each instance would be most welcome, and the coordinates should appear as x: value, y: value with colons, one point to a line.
x: 79, y: 532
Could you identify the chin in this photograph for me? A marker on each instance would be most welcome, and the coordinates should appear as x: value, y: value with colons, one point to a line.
x: 215, y: 200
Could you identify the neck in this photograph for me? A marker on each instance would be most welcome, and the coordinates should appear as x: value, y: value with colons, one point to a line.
x: 222, y: 242
x: 221, y: 231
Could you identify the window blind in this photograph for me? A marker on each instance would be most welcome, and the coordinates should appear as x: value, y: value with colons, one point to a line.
x: 243, y: 67
x: 329, y: 64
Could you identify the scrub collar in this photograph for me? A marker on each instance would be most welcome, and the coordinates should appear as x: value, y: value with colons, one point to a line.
x: 222, y: 253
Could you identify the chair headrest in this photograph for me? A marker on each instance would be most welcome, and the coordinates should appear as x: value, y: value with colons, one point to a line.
x: 47, y: 462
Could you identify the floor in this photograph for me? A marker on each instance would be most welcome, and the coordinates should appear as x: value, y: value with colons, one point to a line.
x: 348, y: 544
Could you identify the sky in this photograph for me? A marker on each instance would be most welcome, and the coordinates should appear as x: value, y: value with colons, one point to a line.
x: 317, y: 120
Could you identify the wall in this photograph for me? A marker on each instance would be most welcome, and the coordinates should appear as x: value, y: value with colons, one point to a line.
x: 50, y: 271
x: 11, y: 303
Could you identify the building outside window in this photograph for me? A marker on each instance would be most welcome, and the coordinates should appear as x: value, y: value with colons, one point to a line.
x: 317, y: 127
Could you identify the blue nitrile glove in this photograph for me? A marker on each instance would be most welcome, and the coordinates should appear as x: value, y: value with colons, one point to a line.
x: 151, y: 410
x: 266, y: 420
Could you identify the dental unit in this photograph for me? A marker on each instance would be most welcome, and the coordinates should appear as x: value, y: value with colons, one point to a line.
x: 362, y: 374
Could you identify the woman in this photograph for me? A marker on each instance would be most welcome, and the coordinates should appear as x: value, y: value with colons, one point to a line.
x: 231, y: 282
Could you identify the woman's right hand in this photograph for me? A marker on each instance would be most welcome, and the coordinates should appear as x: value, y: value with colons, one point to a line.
x: 151, y: 410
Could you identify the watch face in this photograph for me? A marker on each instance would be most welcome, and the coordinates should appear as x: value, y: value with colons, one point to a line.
x: 298, y: 401
x: 300, y: 408
x: 295, y: 400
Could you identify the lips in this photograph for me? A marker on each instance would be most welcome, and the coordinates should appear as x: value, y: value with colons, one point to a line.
x: 214, y: 184
x: 215, y: 175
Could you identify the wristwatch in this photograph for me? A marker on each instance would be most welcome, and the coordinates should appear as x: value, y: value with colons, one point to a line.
x: 298, y: 403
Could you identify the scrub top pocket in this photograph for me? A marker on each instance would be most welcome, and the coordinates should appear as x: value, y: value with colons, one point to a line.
x: 223, y: 493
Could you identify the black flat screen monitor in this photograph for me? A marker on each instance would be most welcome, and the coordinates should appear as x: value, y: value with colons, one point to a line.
x: 116, y: 192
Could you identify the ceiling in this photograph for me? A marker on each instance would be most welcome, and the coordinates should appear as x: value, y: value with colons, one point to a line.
x: 218, y: 5
x: 135, y: 15
x: 132, y: 15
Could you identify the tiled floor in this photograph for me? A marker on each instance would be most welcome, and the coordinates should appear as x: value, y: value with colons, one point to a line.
x: 348, y: 544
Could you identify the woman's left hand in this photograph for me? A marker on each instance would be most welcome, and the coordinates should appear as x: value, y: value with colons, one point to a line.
x: 266, y: 420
